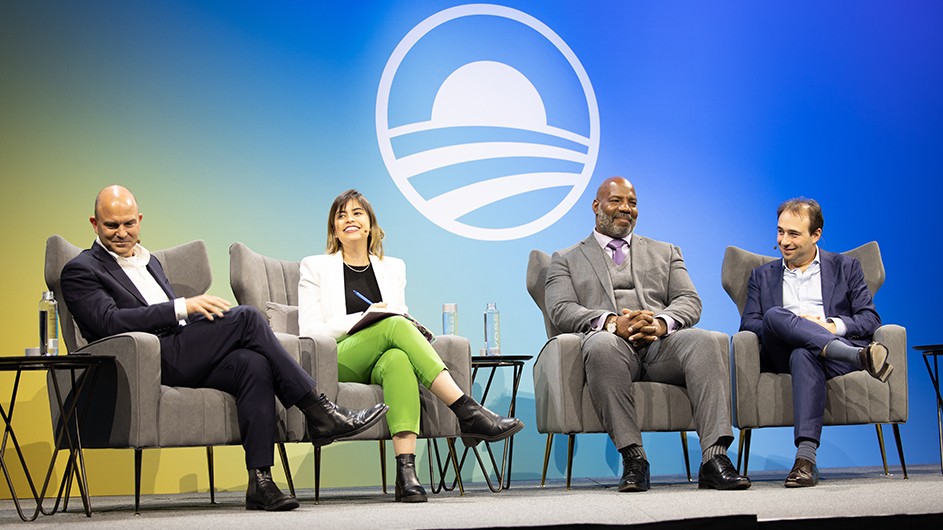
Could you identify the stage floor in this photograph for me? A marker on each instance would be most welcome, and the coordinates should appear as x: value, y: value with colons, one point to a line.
x: 857, y: 492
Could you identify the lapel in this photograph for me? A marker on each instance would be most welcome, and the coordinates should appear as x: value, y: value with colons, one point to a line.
x: 332, y: 281
x: 828, y: 273
x: 111, y: 267
x: 156, y: 269
x: 775, y: 279
x: 596, y: 258
x: 379, y: 270
x: 638, y: 256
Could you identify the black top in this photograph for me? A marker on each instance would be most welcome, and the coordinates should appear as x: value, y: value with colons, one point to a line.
x: 363, y: 282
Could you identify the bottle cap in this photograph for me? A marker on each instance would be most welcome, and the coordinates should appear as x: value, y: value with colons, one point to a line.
x: 449, y: 308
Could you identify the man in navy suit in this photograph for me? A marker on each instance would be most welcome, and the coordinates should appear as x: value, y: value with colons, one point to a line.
x: 116, y: 286
x: 813, y: 314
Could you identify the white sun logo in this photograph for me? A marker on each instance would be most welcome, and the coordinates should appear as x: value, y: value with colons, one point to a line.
x: 482, y: 136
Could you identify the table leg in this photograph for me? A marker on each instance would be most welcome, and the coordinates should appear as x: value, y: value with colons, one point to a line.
x: 8, y: 433
x: 934, y: 372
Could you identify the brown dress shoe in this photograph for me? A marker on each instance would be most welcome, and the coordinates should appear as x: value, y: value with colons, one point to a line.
x: 804, y: 474
x: 873, y: 358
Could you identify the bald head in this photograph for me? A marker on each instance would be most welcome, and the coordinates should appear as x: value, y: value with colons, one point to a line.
x: 616, y: 207
x: 117, y: 221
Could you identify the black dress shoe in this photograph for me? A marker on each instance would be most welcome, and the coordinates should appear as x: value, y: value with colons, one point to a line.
x: 804, y: 474
x: 718, y: 473
x: 873, y: 358
x: 408, y: 488
x: 263, y: 494
x: 327, y: 421
x: 478, y: 423
x: 635, y: 474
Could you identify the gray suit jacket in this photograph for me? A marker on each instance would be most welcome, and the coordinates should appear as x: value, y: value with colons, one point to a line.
x: 579, y: 289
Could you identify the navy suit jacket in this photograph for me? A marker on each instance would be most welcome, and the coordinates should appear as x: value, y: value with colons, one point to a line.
x: 844, y: 294
x: 105, y: 302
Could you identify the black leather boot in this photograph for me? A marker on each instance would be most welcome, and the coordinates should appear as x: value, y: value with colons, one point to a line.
x: 408, y: 488
x: 327, y: 421
x: 478, y: 423
x: 263, y: 494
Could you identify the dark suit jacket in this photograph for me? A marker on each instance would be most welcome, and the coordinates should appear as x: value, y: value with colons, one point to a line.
x: 844, y: 294
x: 105, y: 302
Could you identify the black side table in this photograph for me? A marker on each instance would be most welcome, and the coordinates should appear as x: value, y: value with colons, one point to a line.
x: 935, y: 351
x: 69, y: 414
x: 502, y: 473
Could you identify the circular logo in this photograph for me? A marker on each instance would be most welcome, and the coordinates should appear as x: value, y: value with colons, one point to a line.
x: 487, y: 122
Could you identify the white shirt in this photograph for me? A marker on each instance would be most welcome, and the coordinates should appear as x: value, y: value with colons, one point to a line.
x: 802, y: 292
x: 604, y: 241
x: 135, y: 267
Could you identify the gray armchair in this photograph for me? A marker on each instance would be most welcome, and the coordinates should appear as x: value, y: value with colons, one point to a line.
x: 762, y: 399
x: 132, y: 408
x: 272, y: 286
x: 562, y: 399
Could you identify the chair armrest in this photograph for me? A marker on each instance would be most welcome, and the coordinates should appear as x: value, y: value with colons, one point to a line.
x: 558, y: 384
x: 745, y: 368
x: 318, y: 355
x: 455, y: 352
x: 131, y: 390
x: 895, y: 338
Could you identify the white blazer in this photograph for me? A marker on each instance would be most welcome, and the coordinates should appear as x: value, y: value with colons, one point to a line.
x: 322, y: 304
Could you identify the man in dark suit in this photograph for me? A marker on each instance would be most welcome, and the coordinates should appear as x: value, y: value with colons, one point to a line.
x: 633, y: 299
x: 813, y: 314
x: 116, y: 286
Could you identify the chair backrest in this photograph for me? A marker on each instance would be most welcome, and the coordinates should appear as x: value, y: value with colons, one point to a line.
x: 738, y: 263
x: 269, y: 284
x: 187, y: 267
x: 537, y: 264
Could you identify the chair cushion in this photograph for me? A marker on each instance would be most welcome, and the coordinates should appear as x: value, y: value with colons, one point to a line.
x: 283, y: 318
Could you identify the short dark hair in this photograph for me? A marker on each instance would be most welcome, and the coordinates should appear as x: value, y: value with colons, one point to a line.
x: 803, y: 207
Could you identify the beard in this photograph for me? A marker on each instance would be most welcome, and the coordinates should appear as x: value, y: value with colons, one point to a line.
x: 606, y: 225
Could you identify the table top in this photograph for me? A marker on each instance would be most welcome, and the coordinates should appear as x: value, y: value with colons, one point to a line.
x: 930, y: 349
x: 479, y: 360
x: 23, y: 362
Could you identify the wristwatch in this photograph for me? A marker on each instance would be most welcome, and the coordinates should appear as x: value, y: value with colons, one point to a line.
x: 611, y: 325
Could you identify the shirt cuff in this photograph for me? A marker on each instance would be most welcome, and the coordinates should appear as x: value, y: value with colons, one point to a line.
x: 670, y: 323
x: 840, y: 327
x: 180, y: 308
x: 600, y: 321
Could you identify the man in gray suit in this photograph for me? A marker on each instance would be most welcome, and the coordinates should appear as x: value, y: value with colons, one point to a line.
x: 633, y: 299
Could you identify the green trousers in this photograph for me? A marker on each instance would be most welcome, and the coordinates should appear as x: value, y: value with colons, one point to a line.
x: 393, y: 354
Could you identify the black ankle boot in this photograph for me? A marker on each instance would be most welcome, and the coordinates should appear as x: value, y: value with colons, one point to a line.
x: 408, y: 488
x: 478, y: 423
x: 263, y: 494
x: 328, y: 422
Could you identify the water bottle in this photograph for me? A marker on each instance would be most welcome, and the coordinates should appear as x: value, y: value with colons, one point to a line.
x: 450, y: 319
x: 48, y: 325
x: 492, y: 330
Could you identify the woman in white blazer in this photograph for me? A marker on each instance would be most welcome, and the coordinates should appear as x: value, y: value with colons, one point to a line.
x: 336, y: 289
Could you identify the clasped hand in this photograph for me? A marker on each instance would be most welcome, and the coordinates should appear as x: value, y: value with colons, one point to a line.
x: 208, y: 306
x: 830, y: 326
x: 640, y: 327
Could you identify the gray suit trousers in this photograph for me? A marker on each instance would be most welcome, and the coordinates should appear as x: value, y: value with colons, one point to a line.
x: 685, y: 358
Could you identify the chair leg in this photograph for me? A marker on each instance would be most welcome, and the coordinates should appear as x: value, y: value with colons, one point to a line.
x: 212, y: 472
x: 283, y: 455
x: 317, y: 475
x: 745, y: 435
x: 137, y: 481
x: 383, y: 464
x: 900, y: 448
x: 880, y: 431
x: 453, y: 455
x: 543, y: 475
x: 687, y: 458
x: 569, y: 459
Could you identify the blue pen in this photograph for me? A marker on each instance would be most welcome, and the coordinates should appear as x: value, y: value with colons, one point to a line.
x: 362, y: 297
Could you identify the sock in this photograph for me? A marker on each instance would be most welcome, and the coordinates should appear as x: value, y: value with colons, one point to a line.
x: 712, y: 451
x: 806, y: 449
x: 307, y: 400
x: 840, y: 351
x: 634, y: 450
x: 460, y: 406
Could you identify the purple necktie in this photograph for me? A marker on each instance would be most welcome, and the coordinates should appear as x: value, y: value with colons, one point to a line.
x: 618, y: 250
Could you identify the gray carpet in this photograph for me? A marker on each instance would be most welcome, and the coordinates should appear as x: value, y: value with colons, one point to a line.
x: 842, y: 493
